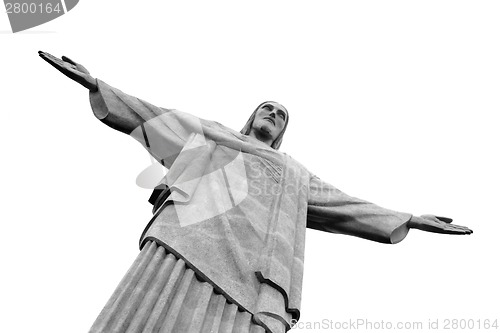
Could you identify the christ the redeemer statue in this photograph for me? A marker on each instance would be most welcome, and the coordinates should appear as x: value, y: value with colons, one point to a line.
x: 224, y: 250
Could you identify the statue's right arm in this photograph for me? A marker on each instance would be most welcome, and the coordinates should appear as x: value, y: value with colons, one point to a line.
x: 161, y: 131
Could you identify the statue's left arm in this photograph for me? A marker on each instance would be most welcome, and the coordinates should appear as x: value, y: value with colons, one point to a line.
x: 331, y: 210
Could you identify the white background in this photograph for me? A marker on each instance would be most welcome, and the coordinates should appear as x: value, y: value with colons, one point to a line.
x: 391, y: 101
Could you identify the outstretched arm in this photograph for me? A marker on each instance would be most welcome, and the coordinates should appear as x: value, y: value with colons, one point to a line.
x: 162, y: 132
x: 332, y: 210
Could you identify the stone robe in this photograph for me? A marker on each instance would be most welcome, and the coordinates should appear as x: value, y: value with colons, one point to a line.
x: 238, y: 209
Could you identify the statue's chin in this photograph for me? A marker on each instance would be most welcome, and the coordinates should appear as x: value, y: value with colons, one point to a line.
x: 265, y: 130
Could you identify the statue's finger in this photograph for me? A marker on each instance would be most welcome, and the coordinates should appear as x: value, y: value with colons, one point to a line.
x: 460, y: 226
x: 60, y: 65
x: 46, y: 58
x: 460, y: 232
x: 468, y: 231
x: 48, y: 55
x: 50, y: 58
x: 453, y: 228
x: 55, y: 59
x: 462, y: 229
x: 54, y: 64
x: 69, y: 60
x: 445, y: 219
x: 456, y: 227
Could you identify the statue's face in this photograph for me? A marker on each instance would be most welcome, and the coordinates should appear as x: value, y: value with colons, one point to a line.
x: 270, y: 119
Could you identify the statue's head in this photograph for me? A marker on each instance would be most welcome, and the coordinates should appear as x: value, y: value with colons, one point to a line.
x: 268, y: 122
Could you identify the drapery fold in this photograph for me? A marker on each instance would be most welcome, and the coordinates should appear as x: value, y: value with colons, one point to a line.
x: 160, y: 294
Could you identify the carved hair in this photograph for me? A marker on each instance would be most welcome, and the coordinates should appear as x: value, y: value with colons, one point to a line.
x: 248, y: 126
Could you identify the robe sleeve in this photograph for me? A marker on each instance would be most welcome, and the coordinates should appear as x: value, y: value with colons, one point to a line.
x: 331, y: 210
x: 163, y: 132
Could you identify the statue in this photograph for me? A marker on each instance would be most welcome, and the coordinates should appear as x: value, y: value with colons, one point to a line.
x: 224, y: 250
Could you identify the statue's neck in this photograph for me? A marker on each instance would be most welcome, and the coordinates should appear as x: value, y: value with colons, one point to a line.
x: 262, y: 137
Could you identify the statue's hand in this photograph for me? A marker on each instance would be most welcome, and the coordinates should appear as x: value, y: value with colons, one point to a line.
x: 437, y: 224
x: 71, y: 69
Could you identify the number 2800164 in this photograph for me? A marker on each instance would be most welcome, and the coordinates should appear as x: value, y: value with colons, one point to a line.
x: 32, y: 8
